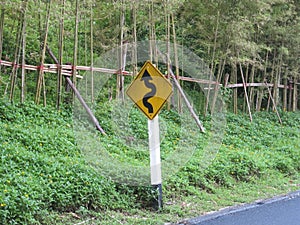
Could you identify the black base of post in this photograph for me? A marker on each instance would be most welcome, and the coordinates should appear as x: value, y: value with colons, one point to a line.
x: 159, y: 201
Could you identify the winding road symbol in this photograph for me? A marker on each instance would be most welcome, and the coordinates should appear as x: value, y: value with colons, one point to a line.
x: 149, y: 90
x: 146, y: 78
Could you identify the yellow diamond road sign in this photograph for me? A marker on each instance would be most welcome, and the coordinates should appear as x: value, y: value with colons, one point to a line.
x: 149, y: 90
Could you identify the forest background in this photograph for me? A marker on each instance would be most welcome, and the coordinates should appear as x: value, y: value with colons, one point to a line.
x: 255, y: 42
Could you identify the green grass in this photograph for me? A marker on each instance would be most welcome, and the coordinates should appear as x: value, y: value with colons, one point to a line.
x: 46, y: 180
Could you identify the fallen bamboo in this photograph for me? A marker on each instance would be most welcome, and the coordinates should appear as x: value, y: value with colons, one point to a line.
x: 88, y: 110
x: 277, y: 113
x: 245, y: 90
x: 188, y: 104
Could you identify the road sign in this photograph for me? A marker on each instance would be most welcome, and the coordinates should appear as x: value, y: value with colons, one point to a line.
x: 150, y: 90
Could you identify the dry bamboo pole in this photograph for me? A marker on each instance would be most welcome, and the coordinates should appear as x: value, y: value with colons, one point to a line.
x: 273, y: 101
x: 245, y: 90
x: 85, y: 34
x: 290, y: 95
x: 77, y: 94
x: 261, y: 92
x: 277, y: 81
x: 235, y: 94
x: 187, y: 102
x: 272, y: 77
x: 176, y: 61
x: 168, y: 35
x: 75, y: 50
x: 88, y: 110
x: 295, y: 94
x: 13, y: 76
x: 41, y: 78
x: 285, y: 90
x: 120, y: 78
x: 247, y: 81
x: 218, y: 81
x: 85, y: 46
x: 251, y: 89
x: 23, y: 54
x: 92, y: 50
x: 2, y: 17
x: 60, y: 55
x: 150, y: 16
x: 134, y: 58
x: 212, y: 67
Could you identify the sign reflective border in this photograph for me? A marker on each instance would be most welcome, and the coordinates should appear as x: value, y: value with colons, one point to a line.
x: 150, y: 90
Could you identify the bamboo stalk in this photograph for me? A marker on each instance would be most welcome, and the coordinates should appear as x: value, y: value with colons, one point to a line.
x: 245, y: 90
x: 92, y: 50
x: 295, y: 94
x: 187, y: 102
x: 290, y: 95
x: 41, y: 82
x: 285, y: 80
x: 251, y: 91
x: 13, y: 76
x: 261, y: 93
x: 275, y: 108
x: 212, y: 67
x: 2, y: 17
x: 88, y: 110
x: 234, y: 77
x: 246, y: 80
x: 23, y: 56
x: 120, y: 78
x: 134, y: 58
x: 75, y: 51
x: 216, y: 88
x: 176, y: 62
x: 272, y: 77
x: 60, y: 55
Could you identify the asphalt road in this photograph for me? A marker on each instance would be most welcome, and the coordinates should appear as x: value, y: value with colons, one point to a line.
x: 283, y: 210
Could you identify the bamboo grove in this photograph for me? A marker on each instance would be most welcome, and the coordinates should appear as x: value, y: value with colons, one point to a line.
x: 252, y: 47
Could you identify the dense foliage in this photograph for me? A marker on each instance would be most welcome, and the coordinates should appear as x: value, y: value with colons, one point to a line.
x: 42, y: 169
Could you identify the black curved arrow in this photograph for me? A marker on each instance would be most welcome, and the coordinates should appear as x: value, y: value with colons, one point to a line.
x: 146, y: 78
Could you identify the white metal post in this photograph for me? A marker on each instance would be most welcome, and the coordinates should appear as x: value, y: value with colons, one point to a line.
x: 155, y: 161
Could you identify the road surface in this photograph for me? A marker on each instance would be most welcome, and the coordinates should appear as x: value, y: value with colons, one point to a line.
x: 283, y: 210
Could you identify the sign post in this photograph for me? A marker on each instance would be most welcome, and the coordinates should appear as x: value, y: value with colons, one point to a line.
x: 149, y: 91
x: 155, y: 162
